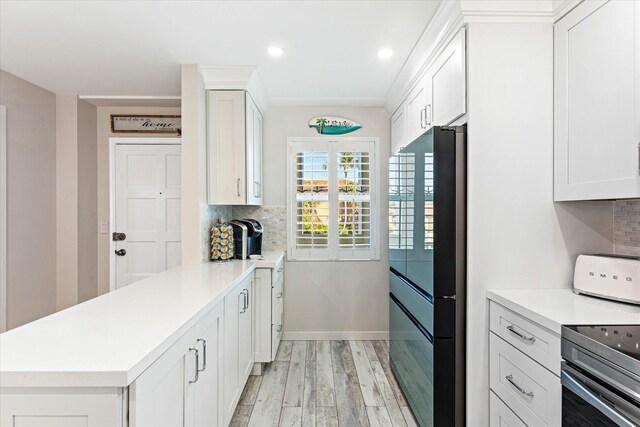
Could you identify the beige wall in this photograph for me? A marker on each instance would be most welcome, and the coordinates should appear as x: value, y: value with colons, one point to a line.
x: 31, y: 199
x: 330, y: 298
x: 87, y: 201
x: 103, y: 135
x: 66, y: 201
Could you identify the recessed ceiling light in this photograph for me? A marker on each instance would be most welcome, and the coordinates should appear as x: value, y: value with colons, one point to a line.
x: 385, y: 53
x: 275, y: 51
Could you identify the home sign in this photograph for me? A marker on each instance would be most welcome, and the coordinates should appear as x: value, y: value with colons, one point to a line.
x: 145, y: 123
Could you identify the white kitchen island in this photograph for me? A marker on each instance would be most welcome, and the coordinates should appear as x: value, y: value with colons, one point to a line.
x: 147, y: 354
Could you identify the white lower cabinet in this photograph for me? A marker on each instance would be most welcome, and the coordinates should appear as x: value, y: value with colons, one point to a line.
x: 523, y: 375
x: 196, y: 382
x: 182, y: 387
x: 63, y: 407
x: 269, y: 306
x: 238, y: 344
x: 501, y: 415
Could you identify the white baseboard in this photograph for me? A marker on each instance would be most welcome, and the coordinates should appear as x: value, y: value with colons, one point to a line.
x: 335, y: 335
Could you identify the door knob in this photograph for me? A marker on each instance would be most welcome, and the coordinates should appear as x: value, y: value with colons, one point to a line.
x: 121, y: 252
x: 118, y: 236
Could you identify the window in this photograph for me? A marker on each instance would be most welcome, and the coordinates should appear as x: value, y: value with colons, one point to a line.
x: 333, y: 209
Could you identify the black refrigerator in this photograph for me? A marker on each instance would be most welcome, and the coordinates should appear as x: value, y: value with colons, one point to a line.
x: 427, y: 280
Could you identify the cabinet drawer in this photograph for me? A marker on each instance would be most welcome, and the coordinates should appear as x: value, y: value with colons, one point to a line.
x: 531, y: 391
x: 277, y: 272
x: 500, y: 415
x: 277, y: 299
x: 276, y: 332
x: 537, y: 342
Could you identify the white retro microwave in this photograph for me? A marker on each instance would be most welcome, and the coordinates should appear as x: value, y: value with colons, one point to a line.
x: 614, y: 277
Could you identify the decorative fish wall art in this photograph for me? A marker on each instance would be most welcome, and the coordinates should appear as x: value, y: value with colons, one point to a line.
x: 328, y: 125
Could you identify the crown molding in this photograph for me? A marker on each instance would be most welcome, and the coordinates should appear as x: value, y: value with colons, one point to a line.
x: 327, y: 102
x: 446, y: 22
x: 562, y: 7
x: 236, y: 77
x: 451, y: 17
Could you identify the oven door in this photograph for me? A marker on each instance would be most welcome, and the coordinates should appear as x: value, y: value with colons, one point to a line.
x: 586, y: 402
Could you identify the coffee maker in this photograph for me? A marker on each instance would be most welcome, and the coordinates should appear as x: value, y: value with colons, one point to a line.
x: 247, y: 237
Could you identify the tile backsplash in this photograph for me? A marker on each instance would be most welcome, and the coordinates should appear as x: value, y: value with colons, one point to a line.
x: 273, y: 220
x: 210, y: 215
x: 626, y: 227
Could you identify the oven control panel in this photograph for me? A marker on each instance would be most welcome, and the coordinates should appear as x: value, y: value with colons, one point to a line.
x: 608, y: 276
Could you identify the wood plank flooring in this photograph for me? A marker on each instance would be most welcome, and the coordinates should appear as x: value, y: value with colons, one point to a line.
x: 325, y: 384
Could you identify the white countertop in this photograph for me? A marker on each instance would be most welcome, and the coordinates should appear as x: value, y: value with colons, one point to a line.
x: 110, y: 340
x: 271, y: 259
x: 553, y: 308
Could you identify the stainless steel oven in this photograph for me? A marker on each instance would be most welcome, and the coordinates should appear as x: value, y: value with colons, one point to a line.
x: 600, y: 376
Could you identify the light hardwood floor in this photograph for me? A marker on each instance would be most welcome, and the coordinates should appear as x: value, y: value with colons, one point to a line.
x: 325, y: 383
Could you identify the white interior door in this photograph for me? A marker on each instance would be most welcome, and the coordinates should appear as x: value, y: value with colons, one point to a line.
x: 147, y: 210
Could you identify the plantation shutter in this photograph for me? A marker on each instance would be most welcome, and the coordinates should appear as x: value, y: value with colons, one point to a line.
x: 333, y: 199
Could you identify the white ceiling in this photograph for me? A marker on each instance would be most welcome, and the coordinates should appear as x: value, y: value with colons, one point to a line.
x: 136, y: 47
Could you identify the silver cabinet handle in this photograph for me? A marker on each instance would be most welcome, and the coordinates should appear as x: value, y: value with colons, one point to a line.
x: 422, y: 125
x: 204, y: 354
x: 522, y: 391
x: 638, y: 158
x: 195, y: 379
x: 257, y: 189
x: 280, y: 269
x: 530, y: 340
x: 244, y: 301
x: 279, y: 328
x: 238, y: 187
x: 279, y: 295
x: 427, y: 115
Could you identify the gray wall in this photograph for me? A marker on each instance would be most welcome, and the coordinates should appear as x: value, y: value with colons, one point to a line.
x: 31, y: 199
x: 87, y: 201
x: 328, y: 297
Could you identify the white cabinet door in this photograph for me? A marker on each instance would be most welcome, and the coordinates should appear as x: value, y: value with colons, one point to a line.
x: 399, y: 129
x: 233, y: 304
x: 238, y: 344
x: 262, y: 316
x: 447, y: 84
x: 204, y: 395
x: 254, y: 152
x: 245, y: 334
x: 597, y: 101
x: 226, y: 147
x: 416, y: 110
x: 157, y: 396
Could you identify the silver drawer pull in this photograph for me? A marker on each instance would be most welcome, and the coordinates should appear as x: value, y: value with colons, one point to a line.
x: 522, y: 391
x: 197, y: 373
x: 280, y: 270
x: 530, y: 340
x: 204, y: 354
x: 279, y: 295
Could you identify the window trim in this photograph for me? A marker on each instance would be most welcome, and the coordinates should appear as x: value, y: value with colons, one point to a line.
x: 333, y: 253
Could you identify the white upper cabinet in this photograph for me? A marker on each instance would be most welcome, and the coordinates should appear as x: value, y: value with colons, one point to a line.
x: 447, y: 84
x: 254, y: 152
x: 438, y: 99
x: 597, y: 102
x: 234, y: 149
x: 399, y: 129
x: 417, y: 101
